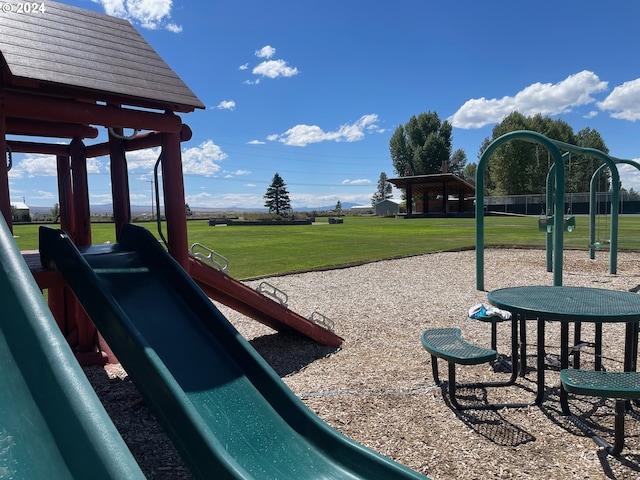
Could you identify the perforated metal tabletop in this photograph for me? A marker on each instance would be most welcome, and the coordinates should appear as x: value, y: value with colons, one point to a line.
x: 570, y: 304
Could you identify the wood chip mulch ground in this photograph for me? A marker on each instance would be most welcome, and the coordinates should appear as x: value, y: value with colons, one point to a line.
x: 377, y: 388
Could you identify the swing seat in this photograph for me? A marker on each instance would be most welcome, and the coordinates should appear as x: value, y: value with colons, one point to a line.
x: 545, y: 223
x: 569, y: 223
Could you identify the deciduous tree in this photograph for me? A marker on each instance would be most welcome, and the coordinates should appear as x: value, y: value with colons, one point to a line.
x: 421, y: 146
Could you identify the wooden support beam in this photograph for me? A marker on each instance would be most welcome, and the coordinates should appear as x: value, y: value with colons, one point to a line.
x: 139, y: 142
x: 23, y: 126
x: 51, y: 109
x: 18, y: 146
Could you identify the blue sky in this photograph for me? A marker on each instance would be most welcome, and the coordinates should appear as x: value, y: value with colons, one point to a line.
x: 313, y: 89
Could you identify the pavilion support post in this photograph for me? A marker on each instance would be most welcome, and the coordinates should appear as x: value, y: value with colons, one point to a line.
x: 425, y: 202
x: 409, y: 199
x: 5, y: 199
x: 174, y: 202
x: 445, y: 197
x: 119, y: 181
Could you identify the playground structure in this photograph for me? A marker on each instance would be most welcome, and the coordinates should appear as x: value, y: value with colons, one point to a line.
x: 228, y: 414
x: 203, y: 381
x: 131, y: 88
x: 554, y: 220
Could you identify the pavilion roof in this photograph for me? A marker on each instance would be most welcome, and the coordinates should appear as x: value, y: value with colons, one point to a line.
x: 435, y: 184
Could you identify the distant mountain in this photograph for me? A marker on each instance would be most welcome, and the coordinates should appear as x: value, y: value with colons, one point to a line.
x: 107, y: 209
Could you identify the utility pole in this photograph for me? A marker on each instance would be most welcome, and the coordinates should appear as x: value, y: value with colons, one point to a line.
x: 152, y: 193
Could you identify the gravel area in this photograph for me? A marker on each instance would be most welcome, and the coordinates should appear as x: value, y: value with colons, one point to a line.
x: 377, y: 388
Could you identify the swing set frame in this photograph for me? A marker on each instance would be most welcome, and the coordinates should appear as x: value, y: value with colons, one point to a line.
x: 555, y: 200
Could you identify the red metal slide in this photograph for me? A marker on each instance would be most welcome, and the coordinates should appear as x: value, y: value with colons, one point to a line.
x: 221, y: 287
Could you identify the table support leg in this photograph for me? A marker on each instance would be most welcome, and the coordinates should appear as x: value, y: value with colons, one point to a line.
x: 631, y: 347
x: 598, y: 347
x: 540, y: 360
x: 577, y: 340
x: 564, y: 363
x: 523, y: 345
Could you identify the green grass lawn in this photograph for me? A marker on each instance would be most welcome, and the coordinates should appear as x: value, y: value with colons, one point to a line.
x: 265, y: 250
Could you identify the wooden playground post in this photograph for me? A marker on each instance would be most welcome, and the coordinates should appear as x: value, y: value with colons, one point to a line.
x: 174, y: 206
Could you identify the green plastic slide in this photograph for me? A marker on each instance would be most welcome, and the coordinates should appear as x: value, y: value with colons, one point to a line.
x: 227, y: 412
x: 52, y: 425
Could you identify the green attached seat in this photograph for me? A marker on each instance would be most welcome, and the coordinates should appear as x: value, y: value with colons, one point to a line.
x: 448, y: 344
x: 621, y: 386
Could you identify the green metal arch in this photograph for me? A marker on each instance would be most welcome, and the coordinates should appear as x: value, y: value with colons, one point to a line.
x: 554, y: 148
x: 556, y: 155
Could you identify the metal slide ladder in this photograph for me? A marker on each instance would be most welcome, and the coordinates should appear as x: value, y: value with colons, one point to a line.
x: 219, y: 262
x: 268, y: 290
x: 211, y: 257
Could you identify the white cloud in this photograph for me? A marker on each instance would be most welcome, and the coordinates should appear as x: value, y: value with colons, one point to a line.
x: 230, y: 200
x: 174, y: 28
x: 42, y: 195
x: 624, y: 101
x: 143, y: 160
x: 226, y: 105
x: 543, y: 98
x: 630, y: 176
x: 269, y: 68
x: 360, y: 181
x: 36, y: 165
x: 274, y: 69
x: 94, y: 166
x: 237, y: 173
x: 256, y: 142
x: 150, y: 14
x: 100, y: 199
x: 302, y: 135
x: 266, y: 52
x: 202, y: 160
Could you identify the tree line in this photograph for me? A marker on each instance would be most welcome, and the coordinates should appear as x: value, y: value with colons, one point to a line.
x: 423, y: 146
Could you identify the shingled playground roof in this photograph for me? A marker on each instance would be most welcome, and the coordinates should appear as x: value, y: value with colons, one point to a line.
x: 77, y: 53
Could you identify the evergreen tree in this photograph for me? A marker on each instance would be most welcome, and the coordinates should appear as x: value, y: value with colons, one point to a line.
x: 277, y: 196
x: 457, y: 162
x: 384, y: 190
